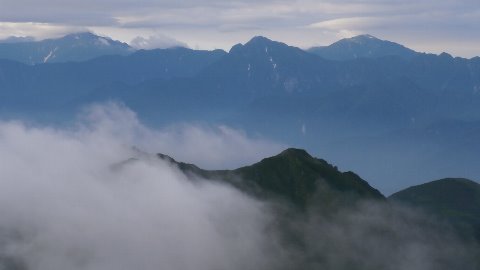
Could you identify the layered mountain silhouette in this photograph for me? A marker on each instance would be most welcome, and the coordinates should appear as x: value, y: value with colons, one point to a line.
x: 401, y: 107
x: 386, y: 91
x: 73, y: 47
x: 394, y: 116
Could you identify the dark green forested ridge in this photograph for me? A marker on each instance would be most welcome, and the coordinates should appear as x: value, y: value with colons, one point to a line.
x: 305, y: 181
x: 293, y: 175
x: 445, y: 196
x: 456, y: 200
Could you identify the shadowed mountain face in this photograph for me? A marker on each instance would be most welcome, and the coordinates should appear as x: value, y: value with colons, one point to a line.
x: 340, y: 211
x: 294, y: 176
x: 73, y: 47
x: 363, y: 46
x: 454, y: 199
x: 62, y: 88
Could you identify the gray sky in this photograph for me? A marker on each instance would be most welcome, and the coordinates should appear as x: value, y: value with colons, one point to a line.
x: 424, y: 25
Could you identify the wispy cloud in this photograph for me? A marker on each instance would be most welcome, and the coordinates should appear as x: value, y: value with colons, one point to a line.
x: 206, y: 146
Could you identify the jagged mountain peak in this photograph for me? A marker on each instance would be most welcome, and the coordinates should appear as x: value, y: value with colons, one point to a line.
x: 272, y: 65
x: 259, y: 44
x: 260, y: 40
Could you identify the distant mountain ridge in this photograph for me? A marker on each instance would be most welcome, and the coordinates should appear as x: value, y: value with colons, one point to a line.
x: 409, y: 111
x: 362, y: 46
x: 72, y: 47
x: 394, y: 120
x: 86, y: 45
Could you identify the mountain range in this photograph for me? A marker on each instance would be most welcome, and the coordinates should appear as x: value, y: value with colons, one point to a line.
x: 73, y: 47
x: 386, y: 113
x: 392, y: 114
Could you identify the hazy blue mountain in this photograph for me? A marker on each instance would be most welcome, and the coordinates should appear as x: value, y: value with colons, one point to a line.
x: 454, y: 199
x: 264, y: 67
x: 73, y: 47
x: 264, y: 74
x: 61, y: 88
x: 294, y: 176
x: 404, y: 111
x: 363, y: 46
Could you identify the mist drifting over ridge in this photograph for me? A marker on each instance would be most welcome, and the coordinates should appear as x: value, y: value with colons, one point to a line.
x: 66, y: 204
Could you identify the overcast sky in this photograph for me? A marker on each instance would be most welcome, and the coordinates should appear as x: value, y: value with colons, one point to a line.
x: 424, y: 25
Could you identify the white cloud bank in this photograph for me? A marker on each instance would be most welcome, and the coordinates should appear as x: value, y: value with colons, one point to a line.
x: 68, y: 200
x: 64, y: 206
x: 218, y: 147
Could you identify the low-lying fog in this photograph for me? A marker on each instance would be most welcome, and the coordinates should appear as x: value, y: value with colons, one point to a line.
x: 69, y: 201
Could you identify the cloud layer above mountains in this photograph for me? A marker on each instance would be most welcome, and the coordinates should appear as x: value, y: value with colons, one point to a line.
x: 430, y: 26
